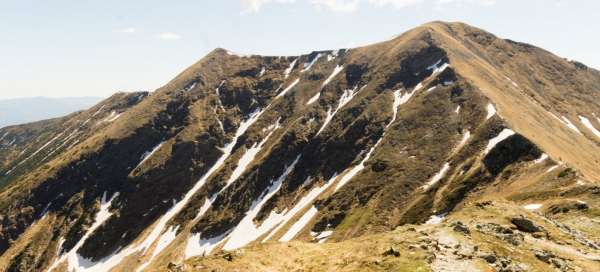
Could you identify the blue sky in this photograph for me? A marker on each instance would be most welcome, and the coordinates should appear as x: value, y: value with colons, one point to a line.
x: 64, y: 48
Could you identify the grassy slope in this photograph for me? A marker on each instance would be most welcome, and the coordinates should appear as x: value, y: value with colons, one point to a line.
x: 415, y: 245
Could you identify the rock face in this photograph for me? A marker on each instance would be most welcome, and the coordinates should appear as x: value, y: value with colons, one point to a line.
x: 328, y: 146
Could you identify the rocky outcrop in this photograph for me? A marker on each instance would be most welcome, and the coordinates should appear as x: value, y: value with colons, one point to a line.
x: 525, y: 225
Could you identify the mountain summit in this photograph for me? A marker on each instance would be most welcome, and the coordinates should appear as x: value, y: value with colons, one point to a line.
x: 444, y: 149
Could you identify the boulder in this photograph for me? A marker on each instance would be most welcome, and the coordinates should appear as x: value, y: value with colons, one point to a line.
x: 525, y: 225
x: 460, y: 227
x: 544, y: 255
x: 490, y: 258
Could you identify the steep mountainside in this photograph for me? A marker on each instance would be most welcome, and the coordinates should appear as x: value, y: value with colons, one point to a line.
x: 365, y: 146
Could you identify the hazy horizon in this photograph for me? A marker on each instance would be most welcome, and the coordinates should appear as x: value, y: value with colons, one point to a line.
x: 14, y: 111
x: 74, y: 48
x: 55, y: 98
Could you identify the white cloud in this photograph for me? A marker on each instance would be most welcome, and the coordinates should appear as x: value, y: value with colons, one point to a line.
x: 394, y: 3
x: 128, y: 30
x: 478, y: 2
x: 169, y: 36
x: 254, y: 6
x: 560, y: 3
x: 337, y: 5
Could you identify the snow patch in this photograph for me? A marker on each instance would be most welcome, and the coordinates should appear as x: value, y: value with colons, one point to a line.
x: 196, y: 246
x: 435, y: 219
x: 10, y: 171
x: 532, y: 206
x: 564, y: 120
x: 431, y: 89
x: 541, y: 159
x: 464, y: 140
x: 45, y: 210
x: 218, y: 120
x: 327, y: 120
x: 505, y: 133
x: 246, y: 231
x: 190, y: 87
x: 220, y: 104
x: 3, y: 136
x: 438, y: 67
x: 163, y: 241
x: 586, y: 122
x: 73, y: 144
x: 570, y: 125
x: 418, y: 87
x: 437, y: 177
x: 85, y: 122
x: 336, y: 70
x: 555, y: 117
x: 333, y: 55
x: 98, y: 111
x: 249, y: 156
x: 112, y: 117
x: 71, y: 135
x: 287, y: 71
x: 149, y: 154
x: 299, y: 225
x: 399, y: 99
x: 435, y: 65
x: 282, y: 93
x: 207, y: 204
x: 356, y: 169
x: 512, y: 82
x: 314, y: 98
x: 74, y: 260
x: 307, y: 66
x: 320, y: 237
x: 61, y: 241
x: 41, y: 148
x: 157, y: 229
x: 551, y: 168
x: 457, y: 110
x: 344, y: 99
x: 262, y: 71
x: 286, y: 216
x: 405, y: 97
x: 491, y: 111
x: 12, y: 142
x: 64, y: 142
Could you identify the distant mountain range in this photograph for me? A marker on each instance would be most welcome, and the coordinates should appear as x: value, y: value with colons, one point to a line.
x: 25, y: 110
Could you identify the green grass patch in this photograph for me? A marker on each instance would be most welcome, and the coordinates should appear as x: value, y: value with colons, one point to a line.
x: 358, y: 217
